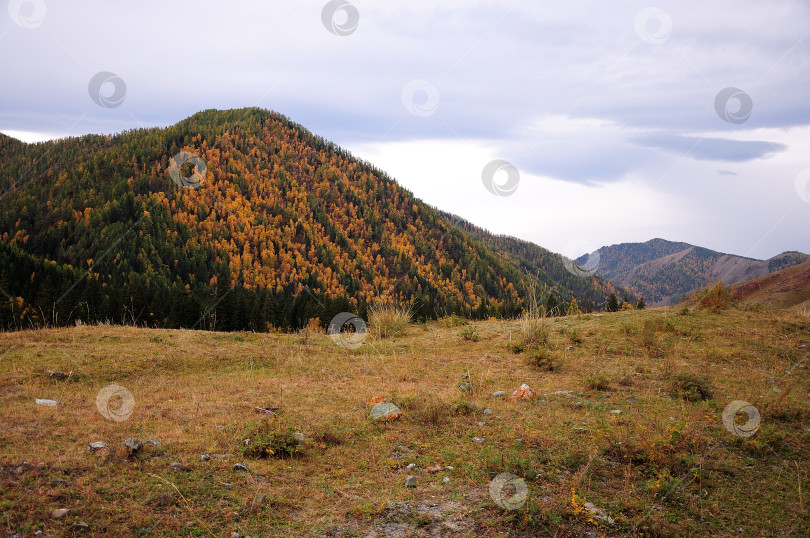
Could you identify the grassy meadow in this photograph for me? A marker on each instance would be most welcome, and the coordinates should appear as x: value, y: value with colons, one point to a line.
x: 628, y: 416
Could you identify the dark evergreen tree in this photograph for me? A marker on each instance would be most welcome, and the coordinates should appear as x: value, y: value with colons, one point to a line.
x: 612, y: 304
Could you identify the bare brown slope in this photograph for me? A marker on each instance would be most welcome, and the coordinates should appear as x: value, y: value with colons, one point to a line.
x: 788, y: 289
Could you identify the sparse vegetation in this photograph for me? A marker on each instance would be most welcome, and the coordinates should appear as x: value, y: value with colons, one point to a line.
x: 388, y: 319
x: 692, y: 388
x: 470, y: 334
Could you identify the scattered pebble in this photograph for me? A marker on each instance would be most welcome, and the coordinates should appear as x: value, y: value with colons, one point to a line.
x: 563, y: 392
x: 465, y: 387
x: 450, y: 467
x: 410, y: 481
x: 299, y: 436
x: 60, y: 512
x: 176, y: 465
x: 487, y: 411
x: 366, y: 371
x: 153, y: 442
x: 446, y: 479
x: 240, y: 467
x: 569, y: 348
x: 96, y: 445
x: 80, y: 526
x: 498, y: 394
x: 482, y: 423
x: 465, y: 376
x: 205, y: 457
x: 42, y: 401
x: 616, y: 411
x: 410, y: 466
x: 477, y: 440
x: 631, y: 400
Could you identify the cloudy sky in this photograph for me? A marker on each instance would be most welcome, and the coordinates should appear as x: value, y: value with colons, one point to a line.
x: 610, y: 121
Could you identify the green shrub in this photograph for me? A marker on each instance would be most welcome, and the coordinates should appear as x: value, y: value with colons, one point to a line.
x: 269, y: 439
x: 692, y: 388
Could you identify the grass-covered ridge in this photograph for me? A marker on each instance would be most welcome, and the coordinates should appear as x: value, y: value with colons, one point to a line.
x: 665, y: 465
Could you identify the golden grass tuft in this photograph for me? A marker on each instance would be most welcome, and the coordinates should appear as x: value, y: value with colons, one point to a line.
x: 389, y: 319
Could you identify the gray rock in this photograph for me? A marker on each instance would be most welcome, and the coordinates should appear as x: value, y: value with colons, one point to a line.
x: 43, y: 401
x: 133, y: 445
x: 176, y: 465
x: 410, y: 481
x: 498, y: 394
x: 60, y: 512
x: 96, y: 445
x: 465, y: 376
x: 385, y: 410
x: 482, y: 423
x: 152, y: 442
x: 465, y: 387
x: 487, y: 411
x: 631, y: 400
x: 80, y: 526
x: 410, y: 466
x: 446, y: 479
x: 240, y: 467
x: 569, y: 348
x: 205, y: 457
x: 616, y: 411
x: 598, y: 513
x: 449, y: 467
x: 477, y: 440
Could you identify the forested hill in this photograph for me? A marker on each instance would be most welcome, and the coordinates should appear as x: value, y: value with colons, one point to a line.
x: 284, y: 227
x: 548, y: 267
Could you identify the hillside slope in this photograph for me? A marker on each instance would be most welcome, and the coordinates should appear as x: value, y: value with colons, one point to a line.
x: 284, y: 227
x: 663, y: 272
x: 787, y: 289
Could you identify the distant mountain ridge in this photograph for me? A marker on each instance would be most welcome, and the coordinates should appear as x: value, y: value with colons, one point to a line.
x: 664, y: 272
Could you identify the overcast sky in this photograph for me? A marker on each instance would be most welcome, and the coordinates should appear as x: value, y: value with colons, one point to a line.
x: 618, y: 121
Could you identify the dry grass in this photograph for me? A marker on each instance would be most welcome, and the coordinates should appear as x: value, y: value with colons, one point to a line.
x: 664, y: 466
x: 388, y: 319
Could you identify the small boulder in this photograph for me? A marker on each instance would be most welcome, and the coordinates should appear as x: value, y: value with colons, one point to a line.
x: 176, y: 465
x: 385, y: 411
x: 487, y: 411
x: 523, y: 393
x: 446, y: 479
x: 43, y: 401
x: 60, y: 512
x: 498, y: 394
x: 152, y: 442
x: 240, y: 467
x: 410, y: 481
x: 598, y: 513
x: 465, y: 387
x: 477, y: 440
x: 133, y: 445
x: 205, y: 457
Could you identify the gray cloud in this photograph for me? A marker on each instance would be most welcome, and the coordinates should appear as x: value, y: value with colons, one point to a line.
x: 709, y: 149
